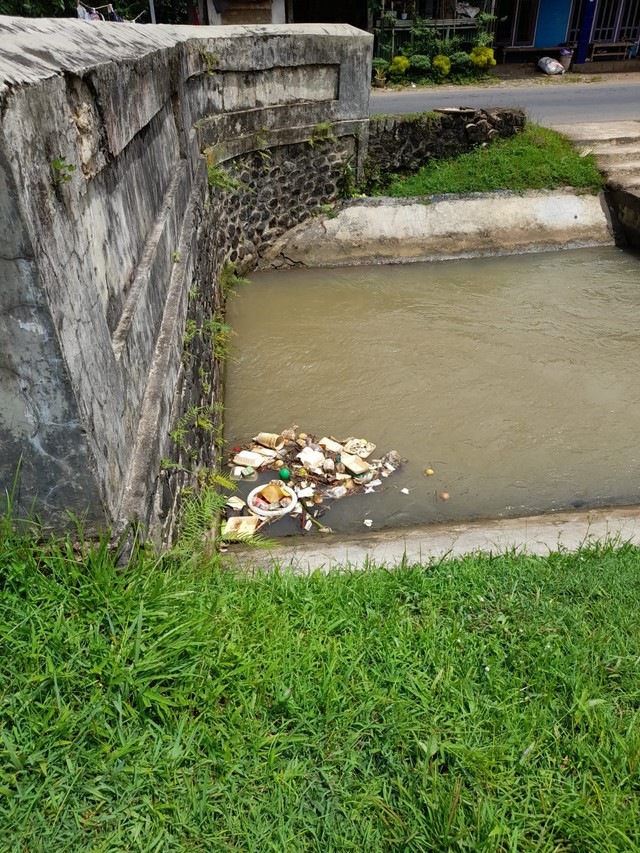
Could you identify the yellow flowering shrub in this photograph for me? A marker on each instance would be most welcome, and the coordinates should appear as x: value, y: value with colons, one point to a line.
x: 482, y: 57
x: 441, y: 65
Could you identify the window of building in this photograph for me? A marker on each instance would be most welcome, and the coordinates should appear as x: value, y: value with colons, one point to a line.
x: 516, y: 21
x: 614, y: 20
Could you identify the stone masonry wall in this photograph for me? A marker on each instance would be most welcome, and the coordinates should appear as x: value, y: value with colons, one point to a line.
x: 404, y: 143
x: 279, y: 188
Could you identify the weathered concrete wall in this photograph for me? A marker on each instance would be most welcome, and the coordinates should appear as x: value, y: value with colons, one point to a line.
x: 109, y: 227
x: 387, y: 230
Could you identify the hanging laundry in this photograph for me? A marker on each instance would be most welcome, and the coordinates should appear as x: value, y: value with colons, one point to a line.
x: 94, y: 15
x: 112, y: 15
x: 83, y: 13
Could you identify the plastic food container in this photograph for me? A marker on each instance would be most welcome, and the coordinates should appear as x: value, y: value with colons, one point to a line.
x: 272, y: 513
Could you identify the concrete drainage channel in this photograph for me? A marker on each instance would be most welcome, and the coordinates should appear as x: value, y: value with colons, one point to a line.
x: 386, y: 231
x: 111, y: 392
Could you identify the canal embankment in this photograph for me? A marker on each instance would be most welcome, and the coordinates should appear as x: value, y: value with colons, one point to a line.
x: 383, y: 230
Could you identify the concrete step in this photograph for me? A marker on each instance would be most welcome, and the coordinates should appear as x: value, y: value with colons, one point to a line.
x: 624, y: 180
x: 619, y: 165
x: 606, y: 133
x: 615, y: 153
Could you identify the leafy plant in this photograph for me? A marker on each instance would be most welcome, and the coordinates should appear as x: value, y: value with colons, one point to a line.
x: 62, y: 171
x: 398, y: 67
x: 441, y: 65
x: 419, y: 65
x: 229, y: 279
x: 461, y: 62
x: 484, y: 36
x: 196, y: 417
x: 346, y: 182
x: 217, y: 177
x: 322, y: 134
x: 482, y: 57
x: 220, y: 334
x: 380, y: 68
x: 190, y: 331
x: 199, y: 515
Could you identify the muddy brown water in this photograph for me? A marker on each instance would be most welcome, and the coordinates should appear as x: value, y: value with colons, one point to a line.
x: 515, y: 378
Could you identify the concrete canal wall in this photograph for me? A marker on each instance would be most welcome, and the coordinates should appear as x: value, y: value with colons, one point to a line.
x: 386, y: 230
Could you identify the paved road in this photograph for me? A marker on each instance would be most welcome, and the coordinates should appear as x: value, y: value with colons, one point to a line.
x: 546, y: 104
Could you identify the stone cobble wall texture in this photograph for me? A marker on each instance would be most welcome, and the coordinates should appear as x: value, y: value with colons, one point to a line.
x: 405, y: 143
x: 279, y: 189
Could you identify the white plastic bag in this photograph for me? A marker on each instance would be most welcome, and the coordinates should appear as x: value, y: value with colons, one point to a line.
x: 550, y: 66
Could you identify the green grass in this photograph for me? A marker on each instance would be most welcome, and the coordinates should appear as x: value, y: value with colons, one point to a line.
x: 536, y: 159
x: 486, y: 704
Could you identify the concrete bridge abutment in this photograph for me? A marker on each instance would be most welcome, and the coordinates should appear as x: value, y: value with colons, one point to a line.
x: 138, y: 167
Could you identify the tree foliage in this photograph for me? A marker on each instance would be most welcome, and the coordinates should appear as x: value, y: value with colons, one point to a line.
x: 167, y: 11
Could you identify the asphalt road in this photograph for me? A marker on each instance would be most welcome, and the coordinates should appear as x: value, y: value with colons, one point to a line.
x: 546, y: 104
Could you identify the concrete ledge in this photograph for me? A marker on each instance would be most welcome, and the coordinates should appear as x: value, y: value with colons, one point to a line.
x: 394, y: 230
x: 538, y: 535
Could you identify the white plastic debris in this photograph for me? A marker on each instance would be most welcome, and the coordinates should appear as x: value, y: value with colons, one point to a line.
x: 235, y: 502
x: 337, y: 492
x: 360, y: 447
x: 306, y: 493
x: 550, y: 66
x: 311, y: 459
x: 330, y: 445
x: 246, y: 457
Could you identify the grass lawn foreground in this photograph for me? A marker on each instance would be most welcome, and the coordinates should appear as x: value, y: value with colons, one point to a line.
x: 536, y: 159
x: 483, y: 704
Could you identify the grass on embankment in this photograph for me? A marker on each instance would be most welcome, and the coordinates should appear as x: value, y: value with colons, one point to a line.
x: 487, y: 704
x: 536, y: 159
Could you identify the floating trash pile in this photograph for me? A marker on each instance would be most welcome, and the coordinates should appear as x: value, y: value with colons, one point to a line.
x: 311, y: 474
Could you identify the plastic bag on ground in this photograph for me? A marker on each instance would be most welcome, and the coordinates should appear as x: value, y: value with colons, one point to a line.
x: 550, y: 66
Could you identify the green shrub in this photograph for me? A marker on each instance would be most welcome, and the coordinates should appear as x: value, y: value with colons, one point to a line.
x: 461, y: 62
x: 482, y: 57
x: 379, y: 64
x: 425, y: 38
x: 441, y: 65
x: 449, y: 46
x: 398, y: 67
x: 484, y: 34
x: 535, y: 159
x: 419, y: 65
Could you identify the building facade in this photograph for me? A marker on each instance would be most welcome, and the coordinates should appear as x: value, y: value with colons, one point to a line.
x: 545, y: 23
